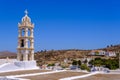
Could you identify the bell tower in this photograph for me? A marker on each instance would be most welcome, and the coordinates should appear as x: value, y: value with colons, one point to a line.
x: 25, y: 49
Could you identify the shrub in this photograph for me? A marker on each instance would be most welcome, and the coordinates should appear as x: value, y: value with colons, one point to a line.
x: 79, y: 62
x: 108, y: 63
x: 74, y: 62
x: 85, y: 67
x: 112, y: 64
x: 51, y: 65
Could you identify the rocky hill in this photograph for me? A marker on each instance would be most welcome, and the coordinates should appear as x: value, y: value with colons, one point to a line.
x: 60, y: 55
x: 112, y: 48
x: 4, y: 54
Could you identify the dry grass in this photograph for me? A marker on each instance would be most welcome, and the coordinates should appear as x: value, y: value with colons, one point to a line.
x: 22, y: 72
x: 54, y: 76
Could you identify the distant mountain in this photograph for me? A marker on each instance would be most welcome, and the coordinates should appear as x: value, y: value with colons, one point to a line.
x: 7, y: 54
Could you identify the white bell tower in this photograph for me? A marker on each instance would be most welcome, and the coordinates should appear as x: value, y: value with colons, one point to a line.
x: 25, y: 39
x: 25, y: 55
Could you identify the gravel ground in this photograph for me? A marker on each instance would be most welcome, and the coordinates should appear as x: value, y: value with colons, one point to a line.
x: 55, y: 76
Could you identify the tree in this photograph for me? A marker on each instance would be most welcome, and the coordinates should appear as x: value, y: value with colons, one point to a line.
x: 51, y: 64
x: 85, y: 67
x: 112, y: 64
x: 85, y: 61
x: 111, y: 45
x: 107, y: 46
x: 91, y: 62
x: 108, y: 63
x: 98, y: 62
x: 74, y: 62
x: 79, y: 62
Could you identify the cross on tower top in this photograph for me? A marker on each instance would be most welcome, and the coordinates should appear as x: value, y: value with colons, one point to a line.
x: 26, y: 12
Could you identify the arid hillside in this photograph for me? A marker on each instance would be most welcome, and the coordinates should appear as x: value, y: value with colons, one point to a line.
x: 112, y: 48
x: 60, y: 55
x: 45, y: 56
x: 4, y: 54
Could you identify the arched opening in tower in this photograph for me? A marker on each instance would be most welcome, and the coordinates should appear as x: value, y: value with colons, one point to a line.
x: 29, y: 45
x: 23, y: 32
x: 22, y: 43
x: 29, y: 32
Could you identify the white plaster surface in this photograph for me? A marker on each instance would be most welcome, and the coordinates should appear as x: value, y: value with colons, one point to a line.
x: 26, y: 64
x: 19, y: 65
x: 3, y: 61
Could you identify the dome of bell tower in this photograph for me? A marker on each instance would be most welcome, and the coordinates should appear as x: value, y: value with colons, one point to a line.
x: 26, y: 18
x: 26, y: 21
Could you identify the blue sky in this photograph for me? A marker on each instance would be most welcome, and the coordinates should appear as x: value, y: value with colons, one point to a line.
x: 62, y: 24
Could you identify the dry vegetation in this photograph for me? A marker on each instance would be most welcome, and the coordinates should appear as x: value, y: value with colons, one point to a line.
x: 53, y: 56
x: 59, y: 55
x: 112, y: 48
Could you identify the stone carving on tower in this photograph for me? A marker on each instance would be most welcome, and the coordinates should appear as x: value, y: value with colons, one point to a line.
x: 25, y: 39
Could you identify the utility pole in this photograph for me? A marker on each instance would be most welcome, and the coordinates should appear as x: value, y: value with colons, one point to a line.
x: 119, y: 58
x: 44, y: 57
